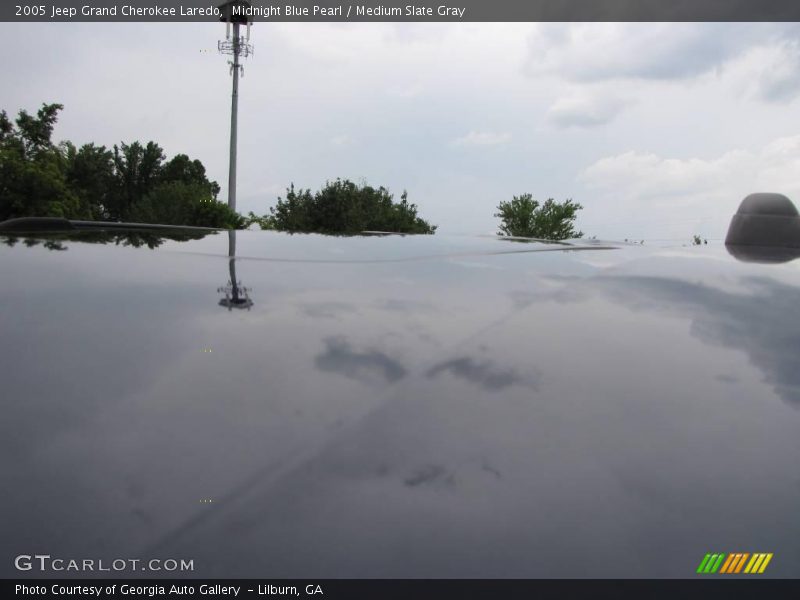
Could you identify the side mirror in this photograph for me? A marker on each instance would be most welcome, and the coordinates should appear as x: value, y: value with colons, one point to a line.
x: 765, y: 228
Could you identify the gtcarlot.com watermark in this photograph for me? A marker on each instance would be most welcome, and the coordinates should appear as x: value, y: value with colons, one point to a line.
x: 45, y: 562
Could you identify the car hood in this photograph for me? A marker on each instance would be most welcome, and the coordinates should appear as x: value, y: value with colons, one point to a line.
x: 397, y: 406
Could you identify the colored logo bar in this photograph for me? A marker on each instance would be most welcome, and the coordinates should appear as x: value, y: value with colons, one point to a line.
x: 736, y: 562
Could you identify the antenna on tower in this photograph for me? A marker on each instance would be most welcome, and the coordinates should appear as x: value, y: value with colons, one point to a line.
x: 236, y: 13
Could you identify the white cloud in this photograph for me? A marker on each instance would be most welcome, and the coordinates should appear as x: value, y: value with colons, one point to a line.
x: 411, y: 90
x: 647, y: 175
x: 769, y: 72
x: 780, y: 164
x: 342, y: 140
x: 482, y: 138
x: 584, y: 110
x: 681, y: 195
x: 648, y: 51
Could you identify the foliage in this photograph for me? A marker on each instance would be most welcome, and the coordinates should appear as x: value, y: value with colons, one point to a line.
x: 343, y: 207
x: 135, y: 182
x: 698, y: 241
x: 90, y: 175
x: 32, y: 169
x: 525, y: 217
x: 129, y: 182
x: 34, y: 132
x: 137, y: 239
x: 264, y: 222
x: 179, y: 203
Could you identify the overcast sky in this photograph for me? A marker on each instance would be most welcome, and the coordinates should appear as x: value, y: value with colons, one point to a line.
x: 659, y: 130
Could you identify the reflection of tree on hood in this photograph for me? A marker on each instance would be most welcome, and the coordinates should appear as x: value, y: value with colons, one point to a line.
x: 137, y: 239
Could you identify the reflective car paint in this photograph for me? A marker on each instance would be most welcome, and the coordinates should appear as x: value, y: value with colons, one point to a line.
x: 396, y: 406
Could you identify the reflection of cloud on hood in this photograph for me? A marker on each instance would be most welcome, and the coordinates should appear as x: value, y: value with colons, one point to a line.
x: 370, y: 366
x: 760, y: 323
x: 521, y: 299
x: 430, y: 475
x: 485, y: 374
x: 762, y: 326
x: 405, y: 306
x: 44, y: 364
x: 327, y: 310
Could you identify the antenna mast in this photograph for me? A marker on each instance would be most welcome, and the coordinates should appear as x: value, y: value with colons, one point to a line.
x: 236, y: 13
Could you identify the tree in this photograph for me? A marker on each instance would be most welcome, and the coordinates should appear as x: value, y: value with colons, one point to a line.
x: 32, y: 169
x: 35, y: 132
x: 293, y: 214
x: 179, y: 203
x: 36, y: 188
x: 6, y: 128
x: 137, y: 169
x: 343, y: 207
x: 182, y: 168
x: 90, y: 175
x: 132, y: 182
x: 525, y: 217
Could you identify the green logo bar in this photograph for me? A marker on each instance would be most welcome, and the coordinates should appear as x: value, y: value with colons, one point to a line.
x: 703, y: 563
x: 713, y: 568
x: 711, y: 563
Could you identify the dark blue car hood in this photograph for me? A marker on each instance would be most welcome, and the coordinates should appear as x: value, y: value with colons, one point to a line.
x: 395, y: 406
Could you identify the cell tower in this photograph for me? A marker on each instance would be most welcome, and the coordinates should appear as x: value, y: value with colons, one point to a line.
x: 235, y: 13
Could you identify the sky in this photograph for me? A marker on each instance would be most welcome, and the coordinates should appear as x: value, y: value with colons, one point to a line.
x: 658, y: 129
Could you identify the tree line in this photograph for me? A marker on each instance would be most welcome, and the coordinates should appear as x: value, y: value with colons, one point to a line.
x: 131, y: 182
x: 134, y: 182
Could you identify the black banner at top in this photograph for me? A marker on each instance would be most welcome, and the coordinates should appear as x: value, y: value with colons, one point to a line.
x: 405, y: 10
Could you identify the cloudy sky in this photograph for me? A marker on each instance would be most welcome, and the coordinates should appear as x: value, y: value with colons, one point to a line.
x: 659, y: 130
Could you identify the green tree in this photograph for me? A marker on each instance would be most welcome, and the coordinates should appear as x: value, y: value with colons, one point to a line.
x: 137, y: 169
x: 35, y: 132
x: 130, y: 183
x: 6, y: 127
x: 525, y: 217
x: 182, y: 168
x: 293, y: 214
x: 90, y: 175
x: 179, y: 203
x: 32, y: 169
x: 343, y: 207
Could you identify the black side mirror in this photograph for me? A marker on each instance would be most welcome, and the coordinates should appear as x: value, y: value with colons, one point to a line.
x: 766, y: 228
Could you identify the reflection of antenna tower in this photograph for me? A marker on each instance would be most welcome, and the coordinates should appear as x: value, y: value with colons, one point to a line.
x: 234, y: 13
x: 236, y: 295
